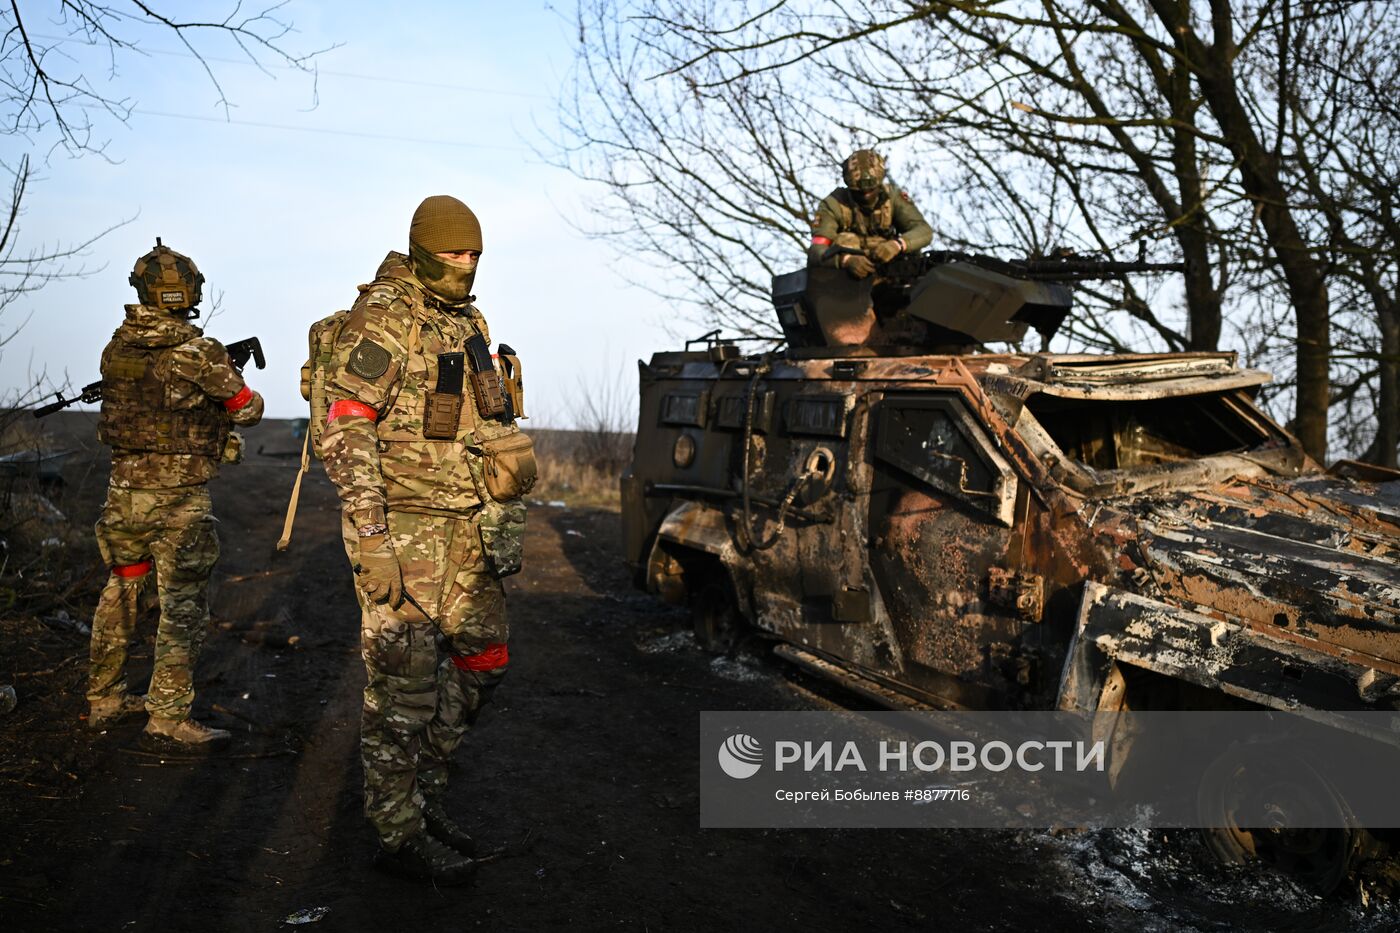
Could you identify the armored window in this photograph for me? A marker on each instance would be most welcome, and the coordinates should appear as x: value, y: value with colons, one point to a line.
x: 1130, y: 434
x: 684, y: 408
x: 935, y: 439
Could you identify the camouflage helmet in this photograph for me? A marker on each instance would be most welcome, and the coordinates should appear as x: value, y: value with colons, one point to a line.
x: 863, y: 170
x: 167, y: 280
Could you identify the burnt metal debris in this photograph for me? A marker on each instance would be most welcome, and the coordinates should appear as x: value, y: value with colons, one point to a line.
x: 938, y: 527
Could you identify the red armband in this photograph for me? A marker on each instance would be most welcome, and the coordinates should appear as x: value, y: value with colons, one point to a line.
x: 345, y: 408
x: 820, y: 241
x: 244, y: 396
x: 132, y: 570
x: 493, y: 657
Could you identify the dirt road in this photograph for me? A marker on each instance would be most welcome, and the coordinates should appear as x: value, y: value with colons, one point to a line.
x: 585, y: 770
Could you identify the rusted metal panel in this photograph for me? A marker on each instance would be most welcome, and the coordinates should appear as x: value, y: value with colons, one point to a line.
x: 1219, y: 655
x: 698, y: 526
x: 893, y: 564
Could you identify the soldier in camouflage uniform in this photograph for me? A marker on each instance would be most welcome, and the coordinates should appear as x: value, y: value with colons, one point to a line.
x: 861, y: 227
x: 169, y: 397
x: 869, y: 222
x: 427, y: 543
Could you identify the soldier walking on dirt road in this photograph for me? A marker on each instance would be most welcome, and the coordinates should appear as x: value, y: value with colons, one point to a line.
x: 421, y: 444
x: 169, y: 397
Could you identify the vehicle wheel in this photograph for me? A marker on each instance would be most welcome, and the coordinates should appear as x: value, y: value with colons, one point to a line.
x: 1252, y: 794
x: 715, y: 618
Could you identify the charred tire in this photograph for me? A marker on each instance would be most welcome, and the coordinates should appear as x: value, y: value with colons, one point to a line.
x: 1252, y: 793
x: 715, y: 617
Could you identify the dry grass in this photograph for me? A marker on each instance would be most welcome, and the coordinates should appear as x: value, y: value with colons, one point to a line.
x: 581, y: 467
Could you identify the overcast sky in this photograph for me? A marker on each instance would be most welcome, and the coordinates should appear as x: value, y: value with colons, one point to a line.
x: 291, y: 205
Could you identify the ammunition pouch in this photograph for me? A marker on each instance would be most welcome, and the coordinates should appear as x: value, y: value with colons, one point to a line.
x: 233, y: 448
x: 486, y: 381
x: 442, y: 408
x: 502, y: 529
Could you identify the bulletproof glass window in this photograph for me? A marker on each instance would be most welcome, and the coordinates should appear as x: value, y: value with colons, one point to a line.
x: 684, y: 408
x: 934, y: 439
x: 1129, y: 434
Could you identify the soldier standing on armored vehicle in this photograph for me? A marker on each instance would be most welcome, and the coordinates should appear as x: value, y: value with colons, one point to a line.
x: 419, y: 436
x: 169, y: 396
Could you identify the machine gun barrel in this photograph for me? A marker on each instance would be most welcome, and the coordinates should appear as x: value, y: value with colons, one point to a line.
x: 1054, y: 269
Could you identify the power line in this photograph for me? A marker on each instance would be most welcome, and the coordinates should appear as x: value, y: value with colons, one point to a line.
x: 318, y: 130
x: 407, y: 82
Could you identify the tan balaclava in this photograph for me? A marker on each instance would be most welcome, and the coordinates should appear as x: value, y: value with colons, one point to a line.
x: 443, y: 224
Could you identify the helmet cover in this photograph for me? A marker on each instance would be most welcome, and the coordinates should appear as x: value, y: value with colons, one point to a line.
x: 167, y: 280
x: 863, y: 170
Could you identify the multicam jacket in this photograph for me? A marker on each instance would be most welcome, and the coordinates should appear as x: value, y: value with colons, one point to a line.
x: 386, y: 363
x: 894, y: 215
x: 169, y: 395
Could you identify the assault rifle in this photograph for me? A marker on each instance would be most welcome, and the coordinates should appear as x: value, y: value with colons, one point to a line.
x: 238, y: 354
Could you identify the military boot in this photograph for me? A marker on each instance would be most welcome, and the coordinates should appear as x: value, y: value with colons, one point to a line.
x: 424, y: 858
x: 109, y: 711
x: 441, y: 827
x: 182, y: 735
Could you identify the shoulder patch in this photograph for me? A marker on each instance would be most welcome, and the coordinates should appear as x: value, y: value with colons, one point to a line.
x: 905, y: 195
x: 368, y: 360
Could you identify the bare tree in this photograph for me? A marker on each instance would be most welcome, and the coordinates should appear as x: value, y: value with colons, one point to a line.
x: 48, y: 100
x: 1043, y: 123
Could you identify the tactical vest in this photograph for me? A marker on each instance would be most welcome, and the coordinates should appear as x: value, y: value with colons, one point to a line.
x: 430, y: 335
x: 877, y: 224
x: 425, y: 470
x: 437, y: 474
x: 137, y: 414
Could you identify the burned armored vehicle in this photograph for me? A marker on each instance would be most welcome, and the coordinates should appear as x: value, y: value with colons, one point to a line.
x: 940, y: 528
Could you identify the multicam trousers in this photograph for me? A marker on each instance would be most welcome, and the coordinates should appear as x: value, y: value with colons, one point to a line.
x: 172, y: 531
x: 426, y: 684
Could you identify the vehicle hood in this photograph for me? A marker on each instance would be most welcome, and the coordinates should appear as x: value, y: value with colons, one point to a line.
x: 1315, y: 560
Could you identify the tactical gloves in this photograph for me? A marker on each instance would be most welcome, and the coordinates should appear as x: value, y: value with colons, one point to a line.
x: 377, y: 571
x: 858, y: 267
x: 886, y: 250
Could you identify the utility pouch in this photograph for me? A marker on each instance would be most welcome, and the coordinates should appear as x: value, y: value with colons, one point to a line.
x: 442, y: 409
x: 508, y: 467
x: 503, y: 536
x: 486, y: 381
x: 233, y: 448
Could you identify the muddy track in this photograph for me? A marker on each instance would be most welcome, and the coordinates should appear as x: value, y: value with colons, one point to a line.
x: 585, y: 770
